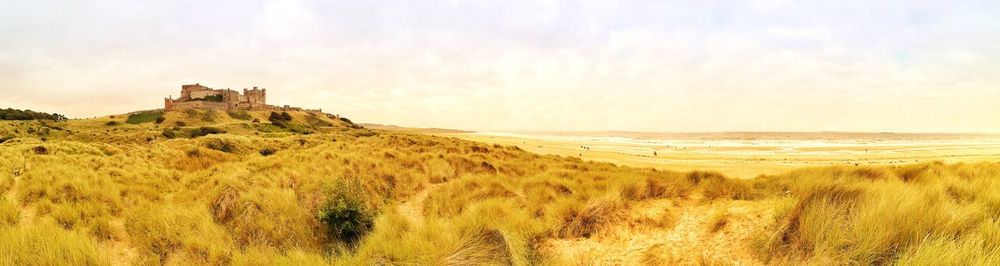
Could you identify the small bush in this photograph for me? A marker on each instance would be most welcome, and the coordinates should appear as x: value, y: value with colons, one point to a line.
x: 221, y: 145
x: 286, y: 116
x: 111, y: 123
x: 274, y: 116
x: 205, y: 131
x: 40, y: 150
x: 160, y: 119
x: 180, y: 123
x: 167, y: 133
x: 278, y: 120
x: 268, y: 151
x: 344, y: 215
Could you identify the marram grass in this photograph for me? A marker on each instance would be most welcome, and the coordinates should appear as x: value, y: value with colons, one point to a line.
x: 216, y: 200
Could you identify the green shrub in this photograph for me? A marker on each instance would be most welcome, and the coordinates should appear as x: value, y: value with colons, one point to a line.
x: 274, y: 116
x: 160, y: 119
x: 143, y: 117
x: 204, y: 131
x: 221, y: 145
x: 344, y: 215
x: 15, y: 114
x: 111, y: 123
x: 167, y: 133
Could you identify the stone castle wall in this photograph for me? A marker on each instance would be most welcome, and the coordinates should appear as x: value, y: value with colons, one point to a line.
x: 193, y: 97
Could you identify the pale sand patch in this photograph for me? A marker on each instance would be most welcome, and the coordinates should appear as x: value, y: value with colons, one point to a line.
x: 687, y: 241
x: 413, y: 208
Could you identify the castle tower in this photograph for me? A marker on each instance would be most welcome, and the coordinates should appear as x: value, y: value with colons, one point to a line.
x: 255, y: 98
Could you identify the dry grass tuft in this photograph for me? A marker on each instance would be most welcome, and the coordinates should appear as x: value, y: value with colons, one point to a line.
x: 9, y: 213
x: 47, y: 244
x: 591, y: 218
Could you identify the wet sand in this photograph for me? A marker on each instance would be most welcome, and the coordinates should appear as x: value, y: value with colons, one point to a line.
x: 749, y: 154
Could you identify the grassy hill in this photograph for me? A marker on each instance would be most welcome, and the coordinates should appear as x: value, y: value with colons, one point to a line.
x: 320, y: 191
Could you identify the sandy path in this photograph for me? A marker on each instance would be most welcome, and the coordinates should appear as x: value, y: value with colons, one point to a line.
x: 413, y: 208
x: 120, y: 249
x: 27, y: 213
x: 689, y: 240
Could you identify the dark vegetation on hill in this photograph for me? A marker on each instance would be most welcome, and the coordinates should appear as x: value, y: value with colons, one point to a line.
x: 15, y: 114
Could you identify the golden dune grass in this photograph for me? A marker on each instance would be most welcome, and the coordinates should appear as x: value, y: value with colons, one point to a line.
x: 217, y: 199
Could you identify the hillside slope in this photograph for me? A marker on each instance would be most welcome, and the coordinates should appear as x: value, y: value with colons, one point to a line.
x: 94, y: 192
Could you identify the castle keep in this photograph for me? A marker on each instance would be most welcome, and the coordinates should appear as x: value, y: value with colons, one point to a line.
x: 200, y: 97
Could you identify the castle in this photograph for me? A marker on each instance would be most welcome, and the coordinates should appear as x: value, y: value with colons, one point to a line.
x: 200, y: 97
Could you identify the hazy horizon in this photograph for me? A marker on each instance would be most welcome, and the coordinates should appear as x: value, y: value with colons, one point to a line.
x: 686, y: 66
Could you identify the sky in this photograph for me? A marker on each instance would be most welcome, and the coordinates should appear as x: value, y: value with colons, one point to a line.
x: 679, y: 66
